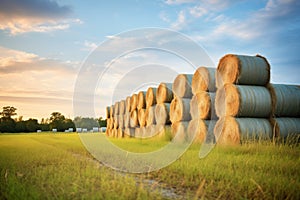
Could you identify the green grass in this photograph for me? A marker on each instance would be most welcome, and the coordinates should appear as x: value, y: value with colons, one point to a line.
x: 57, y: 166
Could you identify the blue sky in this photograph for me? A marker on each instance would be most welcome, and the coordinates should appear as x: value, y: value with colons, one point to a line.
x: 44, y: 43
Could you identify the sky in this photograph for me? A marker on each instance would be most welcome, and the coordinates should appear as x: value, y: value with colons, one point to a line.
x: 52, y: 51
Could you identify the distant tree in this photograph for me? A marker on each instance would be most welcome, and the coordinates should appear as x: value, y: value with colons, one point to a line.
x: 20, y: 127
x: 7, y: 125
x: 68, y: 123
x: 102, y: 122
x: 57, y: 121
x: 8, y: 111
x: 32, y: 125
x: 85, y: 122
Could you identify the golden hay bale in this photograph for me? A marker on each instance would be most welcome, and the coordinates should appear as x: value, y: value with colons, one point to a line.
x: 163, y: 131
x: 141, y: 100
x: 121, y: 121
x: 129, y: 132
x: 133, y: 121
x: 108, y: 126
x: 120, y: 132
x: 243, y: 101
x: 126, y: 119
x: 114, y: 132
x: 151, y: 97
x: 164, y: 93
x: 230, y: 130
x: 179, y: 131
x: 116, y: 107
x: 162, y: 113
x: 285, y: 100
x: 142, y: 117
x: 138, y: 132
x: 116, y: 121
x: 180, y: 110
x: 243, y: 70
x: 199, y: 129
x: 133, y: 102
x: 284, y: 127
x: 150, y: 116
x: 204, y: 80
x: 122, y: 107
x: 202, y: 106
x: 107, y: 112
x: 127, y: 104
x: 182, y: 86
x: 110, y: 123
x: 112, y: 111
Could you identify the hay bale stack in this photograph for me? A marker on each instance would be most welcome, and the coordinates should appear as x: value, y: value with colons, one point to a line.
x: 121, y: 121
x: 122, y: 107
x: 151, y: 97
x: 202, y: 106
x: 243, y: 70
x: 111, y: 111
x: 180, y: 110
x: 204, y: 80
x: 133, y: 121
x: 138, y: 132
x: 285, y: 100
x: 163, y: 131
x: 182, y: 86
x: 116, y: 108
x: 116, y: 121
x: 231, y: 131
x: 141, y: 100
x: 114, y: 132
x: 133, y: 102
x: 164, y: 93
x: 179, y: 131
x: 107, y: 112
x: 199, y: 129
x: 162, y: 115
x: 286, y: 127
x: 150, y: 116
x: 108, y: 123
x: 120, y: 132
x: 127, y: 104
x: 243, y: 101
x: 126, y: 119
x: 129, y: 132
x: 142, y: 117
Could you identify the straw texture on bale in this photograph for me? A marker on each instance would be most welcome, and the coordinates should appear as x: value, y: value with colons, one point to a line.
x: 151, y: 96
x: 164, y: 93
x: 120, y: 133
x: 142, y: 117
x: 116, y: 107
x: 199, y: 129
x: 107, y: 112
x: 243, y: 101
x: 180, y: 110
x: 112, y: 109
x: 121, y: 121
x: 163, y: 130
x: 179, y: 131
x: 204, y: 80
x: 141, y: 100
x: 108, y: 125
x: 243, y: 70
x: 129, y: 132
x: 114, y: 132
x: 162, y: 113
x: 150, y: 116
x: 138, y: 132
x: 116, y: 121
x: 203, y: 106
x: 133, y: 119
x: 127, y: 102
x: 126, y: 118
x: 182, y: 86
x: 122, y: 107
x: 284, y: 127
x: 285, y: 100
x: 230, y: 130
x: 133, y: 102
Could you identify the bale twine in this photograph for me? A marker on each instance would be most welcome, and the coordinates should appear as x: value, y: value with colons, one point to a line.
x: 162, y: 113
x: 120, y: 132
x: 116, y: 108
x: 199, y: 129
x: 122, y: 107
x: 151, y: 96
x: 180, y: 110
x: 204, y: 80
x: 133, y: 102
x: 126, y: 118
x: 141, y: 100
x: 243, y: 101
x: 203, y: 106
x: 142, y: 117
x: 285, y: 100
x: 182, y: 86
x: 179, y: 131
x: 230, y: 130
x: 112, y: 111
x: 150, y: 116
x: 133, y: 121
x: 129, y: 132
x: 286, y: 127
x: 164, y: 93
x: 127, y: 102
x: 243, y: 70
x: 107, y: 112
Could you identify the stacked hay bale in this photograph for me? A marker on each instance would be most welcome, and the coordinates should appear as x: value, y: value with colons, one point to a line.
x: 243, y: 102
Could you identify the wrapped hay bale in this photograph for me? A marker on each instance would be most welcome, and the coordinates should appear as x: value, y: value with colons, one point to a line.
x: 230, y: 130
x: 199, y: 129
x: 133, y: 102
x: 150, y: 116
x: 107, y: 112
x: 126, y: 119
x: 180, y: 110
x: 164, y: 93
x: 286, y: 127
x: 127, y: 102
x: 112, y: 111
x: 163, y: 131
x: 133, y: 121
x: 204, y: 80
x: 182, y: 86
x: 179, y: 131
x: 243, y: 101
x: 141, y: 100
x: 162, y: 115
x: 114, y: 132
x: 202, y: 106
x: 116, y: 107
x: 129, y: 132
x: 151, y: 97
x: 285, y: 100
x: 120, y: 132
x: 121, y: 121
x: 116, y: 122
x: 122, y: 107
x: 108, y: 123
x: 138, y: 132
x: 243, y: 70
x: 142, y: 117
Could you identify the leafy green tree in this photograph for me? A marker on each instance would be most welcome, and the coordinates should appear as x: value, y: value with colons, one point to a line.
x: 57, y: 121
x: 85, y: 122
x: 102, y: 122
x: 8, y: 111
x: 32, y: 125
x: 20, y: 127
x: 7, y: 125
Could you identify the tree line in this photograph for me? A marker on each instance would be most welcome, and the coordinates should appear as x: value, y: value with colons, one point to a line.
x: 57, y: 121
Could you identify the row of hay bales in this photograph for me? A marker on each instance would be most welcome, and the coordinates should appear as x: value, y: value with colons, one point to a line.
x: 232, y: 102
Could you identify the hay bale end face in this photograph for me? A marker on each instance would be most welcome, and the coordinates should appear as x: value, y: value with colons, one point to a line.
x: 116, y: 108
x: 243, y: 70
x: 162, y: 113
x: 108, y: 112
x: 122, y: 107
x: 180, y: 110
x: 182, y: 86
x: 128, y: 103
x: 142, y: 117
x: 199, y: 129
x: 133, y: 102
x: 203, y: 106
x: 151, y: 97
x: 133, y: 121
x: 179, y: 131
x: 204, y: 80
x: 164, y: 93
x: 141, y: 100
x: 150, y: 116
x: 126, y: 118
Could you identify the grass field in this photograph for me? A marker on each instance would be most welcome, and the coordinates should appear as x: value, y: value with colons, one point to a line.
x: 57, y: 166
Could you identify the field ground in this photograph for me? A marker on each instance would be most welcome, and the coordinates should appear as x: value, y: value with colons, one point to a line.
x: 57, y: 166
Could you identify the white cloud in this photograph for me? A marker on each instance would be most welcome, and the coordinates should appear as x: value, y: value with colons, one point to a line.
x: 181, y: 22
x: 164, y: 17
x: 89, y: 46
x: 198, y: 11
x: 177, y: 2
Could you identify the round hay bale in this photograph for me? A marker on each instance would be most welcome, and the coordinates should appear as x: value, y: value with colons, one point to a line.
x: 243, y: 70
x: 164, y: 93
x: 138, y: 132
x: 182, y: 86
x: 180, y: 110
x: 231, y: 131
x: 151, y: 97
x: 141, y: 100
x: 116, y: 107
x: 133, y: 102
x: 204, y: 80
x: 126, y: 119
x: 162, y: 113
x: 129, y: 132
x: 120, y: 132
x: 179, y: 131
x: 163, y: 131
x: 133, y: 121
x: 111, y: 122
x: 243, y: 101
x: 114, y: 132
x: 285, y: 100
x: 127, y: 102
x: 286, y: 127
x: 199, y: 129
x: 116, y: 122
x: 112, y: 111
x: 203, y: 106
x: 121, y: 121
x: 107, y: 112
x: 122, y: 107
x: 108, y: 126
x: 142, y: 117
x: 150, y: 116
